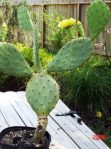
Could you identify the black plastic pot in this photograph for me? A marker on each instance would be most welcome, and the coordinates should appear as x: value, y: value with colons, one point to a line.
x: 22, y: 146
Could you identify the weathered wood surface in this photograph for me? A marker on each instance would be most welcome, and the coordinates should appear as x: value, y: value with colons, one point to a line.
x: 40, y: 2
x: 65, y: 131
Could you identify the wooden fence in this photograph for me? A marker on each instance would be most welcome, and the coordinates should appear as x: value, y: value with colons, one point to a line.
x: 75, y: 9
x: 67, y: 8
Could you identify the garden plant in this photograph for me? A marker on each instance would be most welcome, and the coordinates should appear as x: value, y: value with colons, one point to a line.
x: 61, y: 30
x: 42, y: 91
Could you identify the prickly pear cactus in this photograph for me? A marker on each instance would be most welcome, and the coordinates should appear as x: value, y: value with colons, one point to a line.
x: 42, y: 93
x: 24, y: 20
x: 73, y: 54
x: 98, y: 15
x: 12, y: 62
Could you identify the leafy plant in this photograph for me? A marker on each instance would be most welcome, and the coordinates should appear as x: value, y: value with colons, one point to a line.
x: 3, y: 32
x: 42, y: 91
x: 61, y: 30
x: 87, y: 87
x: 44, y: 55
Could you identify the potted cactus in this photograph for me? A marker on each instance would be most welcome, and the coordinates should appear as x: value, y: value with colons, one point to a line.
x: 42, y: 91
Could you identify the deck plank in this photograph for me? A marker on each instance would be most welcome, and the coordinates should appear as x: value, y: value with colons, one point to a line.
x: 8, y: 112
x: 65, y: 131
x: 73, y: 132
x: 19, y: 111
x: 83, y: 128
x: 3, y: 122
x: 60, y: 136
x: 62, y: 108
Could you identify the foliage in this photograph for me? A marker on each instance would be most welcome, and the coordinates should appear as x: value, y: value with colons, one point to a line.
x: 102, y: 125
x: 57, y: 37
x: 27, y: 52
x: 13, y: 21
x: 45, y: 57
x: 3, y: 32
x: 88, y: 86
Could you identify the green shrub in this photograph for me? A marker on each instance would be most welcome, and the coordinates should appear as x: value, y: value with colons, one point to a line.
x: 57, y: 36
x: 27, y: 52
x: 45, y: 57
x: 3, y: 32
x: 88, y: 86
x: 54, y: 37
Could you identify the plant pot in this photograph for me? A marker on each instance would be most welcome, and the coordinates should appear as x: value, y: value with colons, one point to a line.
x: 16, y: 142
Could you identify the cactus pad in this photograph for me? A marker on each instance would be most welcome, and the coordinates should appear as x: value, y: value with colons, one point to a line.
x: 24, y: 20
x: 71, y: 55
x: 42, y: 93
x: 12, y: 62
x: 98, y: 15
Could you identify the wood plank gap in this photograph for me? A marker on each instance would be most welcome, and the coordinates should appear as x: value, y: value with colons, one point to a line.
x: 18, y: 115
x: 18, y: 105
x: 4, y: 118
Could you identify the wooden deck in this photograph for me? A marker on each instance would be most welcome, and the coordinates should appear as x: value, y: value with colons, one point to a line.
x: 66, y: 132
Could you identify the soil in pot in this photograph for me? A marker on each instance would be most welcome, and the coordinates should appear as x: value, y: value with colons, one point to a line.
x: 21, y: 138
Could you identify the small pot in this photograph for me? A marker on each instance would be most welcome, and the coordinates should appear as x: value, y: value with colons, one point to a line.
x: 22, y: 146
